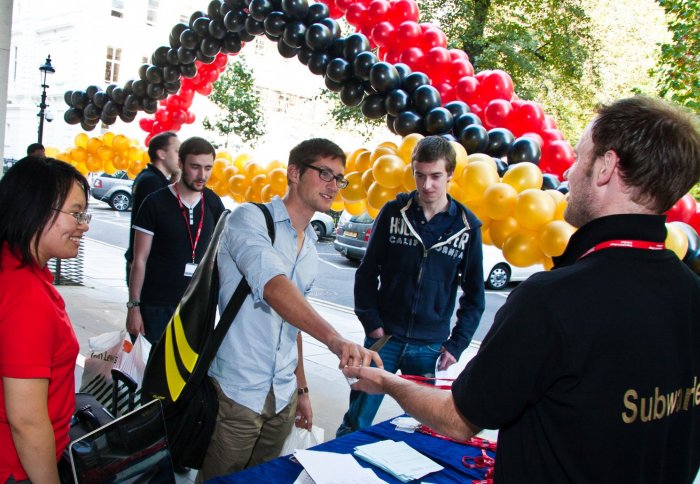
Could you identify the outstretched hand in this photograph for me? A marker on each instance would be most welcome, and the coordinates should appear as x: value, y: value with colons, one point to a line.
x: 369, y: 379
x: 353, y: 354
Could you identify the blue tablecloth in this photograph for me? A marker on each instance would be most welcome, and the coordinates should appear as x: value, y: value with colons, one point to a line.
x: 446, y: 453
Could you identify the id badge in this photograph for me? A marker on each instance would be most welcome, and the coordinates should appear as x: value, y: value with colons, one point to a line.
x: 189, y: 269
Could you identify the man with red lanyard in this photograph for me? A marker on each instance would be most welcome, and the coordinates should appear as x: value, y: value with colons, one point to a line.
x: 591, y: 371
x: 172, y: 231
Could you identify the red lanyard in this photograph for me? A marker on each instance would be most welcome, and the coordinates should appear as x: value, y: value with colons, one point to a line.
x: 625, y: 244
x: 194, y: 242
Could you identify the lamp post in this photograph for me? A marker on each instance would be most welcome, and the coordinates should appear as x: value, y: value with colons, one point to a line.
x: 45, y: 70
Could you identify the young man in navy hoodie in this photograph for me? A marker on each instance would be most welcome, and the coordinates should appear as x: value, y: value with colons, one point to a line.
x: 424, y: 246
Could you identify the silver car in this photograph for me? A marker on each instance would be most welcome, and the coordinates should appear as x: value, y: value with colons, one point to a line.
x: 113, y: 189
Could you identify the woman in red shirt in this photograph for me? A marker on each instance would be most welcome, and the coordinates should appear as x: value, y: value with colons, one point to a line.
x: 43, y: 205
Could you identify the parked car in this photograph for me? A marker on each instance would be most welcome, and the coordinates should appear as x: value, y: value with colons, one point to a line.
x: 352, y: 237
x: 113, y: 189
x: 323, y: 224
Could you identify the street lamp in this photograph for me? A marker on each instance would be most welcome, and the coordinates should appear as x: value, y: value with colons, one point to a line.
x: 45, y: 70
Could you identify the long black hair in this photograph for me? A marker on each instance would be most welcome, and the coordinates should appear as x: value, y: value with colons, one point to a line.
x: 30, y: 193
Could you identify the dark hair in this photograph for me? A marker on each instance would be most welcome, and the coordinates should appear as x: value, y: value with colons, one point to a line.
x: 195, y: 146
x: 658, y: 145
x: 159, y: 142
x: 433, y: 148
x: 312, y: 150
x: 33, y: 147
x: 30, y: 193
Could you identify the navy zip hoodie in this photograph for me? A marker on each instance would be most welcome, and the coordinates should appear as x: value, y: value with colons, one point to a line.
x: 407, y: 281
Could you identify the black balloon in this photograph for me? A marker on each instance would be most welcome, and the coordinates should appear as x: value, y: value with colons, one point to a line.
x: 201, y: 27
x: 186, y: 56
x: 234, y: 21
x: 550, y: 181
x: 464, y: 120
x: 339, y: 70
x: 318, y: 62
x: 231, y: 44
x: 254, y: 27
x: 111, y: 109
x: 413, y: 81
x: 474, y: 138
x: 127, y: 116
x: 217, y: 29
x: 524, y: 149
x: 457, y: 108
x: 332, y: 85
x: 175, y: 33
x: 294, y: 34
x: 305, y: 54
x: 72, y: 116
x: 110, y: 88
x: 100, y: 99
x: 403, y: 70
x: 91, y: 90
x: 438, y: 121
x: 187, y: 70
x: 333, y: 26
x: 390, y: 123
x: 408, y: 122
x: 88, y: 126
x: 132, y: 102
x: 160, y: 56
x: 425, y: 98
x: 501, y: 166
x: 67, y: 98
x: 563, y: 187
x: 500, y: 140
x: 318, y: 37
x: 373, y: 106
x: 272, y: 37
x: 352, y: 93
x: 204, y: 59
x: 210, y: 46
x: 362, y: 64
x: 172, y: 87
x: 275, y: 23
x: 195, y: 16
x: 316, y: 13
x: 150, y: 106
x: 337, y: 48
x: 285, y: 50
x: 448, y: 137
x: 384, y: 77
x: 214, y: 9
x: 188, y: 39
x: 129, y: 87
x: 259, y: 9
x: 245, y: 36
x: 91, y: 112
x: 143, y: 69
x: 118, y: 95
x: 154, y: 75
x: 355, y: 44
x: 139, y: 87
x: 295, y: 9
x: 171, y: 74
x: 397, y: 101
x: 173, y: 59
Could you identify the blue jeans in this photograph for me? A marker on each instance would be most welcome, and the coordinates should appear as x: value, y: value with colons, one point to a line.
x: 411, y: 359
x: 155, y: 320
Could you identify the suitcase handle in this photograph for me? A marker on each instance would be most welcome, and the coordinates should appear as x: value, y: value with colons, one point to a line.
x: 119, y: 376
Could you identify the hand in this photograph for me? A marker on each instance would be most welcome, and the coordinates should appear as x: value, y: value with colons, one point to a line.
x: 376, y: 334
x: 304, y: 415
x: 352, y: 354
x: 446, y: 360
x: 370, y: 380
x: 134, y: 322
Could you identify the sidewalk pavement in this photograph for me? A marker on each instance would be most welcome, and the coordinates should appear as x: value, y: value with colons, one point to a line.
x: 99, y: 306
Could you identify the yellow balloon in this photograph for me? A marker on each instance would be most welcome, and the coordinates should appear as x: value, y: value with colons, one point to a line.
x: 561, y: 206
x: 500, y: 230
x: 548, y: 263
x: 461, y: 152
x: 258, y: 182
x: 362, y: 162
x: 351, y: 160
x: 554, y: 237
x: 478, y: 210
x: 81, y: 140
x: 145, y: 158
x: 252, y: 168
x: 556, y: 195
x: 120, y: 143
x: 253, y: 196
x: 278, y: 179
x: 120, y: 162
x: 521, y: 249
x: 240, y: 160
x: 354, y: 191
x: 107, y: 138
x: 274, y: 165
x: 499, y: 201
x: 523, y: 176
x: 409, y: 182
x: 224, y: 155
x: 476, y: 178
x: 388, y: 144
x: 108, y: 167
x: 486, y: 236
x: 483, y: 158
x: 676, y: 240
x: 373, y: 212
x: 367, y: 180
x: 456, y: 192
x: 534, y: 209
x: 94, y: 164
x: 229, y: 171
x: 51, y: 152
x: 82, y: 168
x: 105, y: 153
x: 79, y: 154
x: 338, y: 204
x: 388, y: 171
x: 408, y: 143
x: 238, y: 184
x: 133, y: 170
x: 217, y: 170
x: 221, y: 189
x: 356, y: 208
x: 93, y: 145
x: 378, y: 195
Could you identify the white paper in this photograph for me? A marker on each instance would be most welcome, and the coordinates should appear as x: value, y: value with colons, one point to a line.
x: 332, y: 468
x: 397, y: 458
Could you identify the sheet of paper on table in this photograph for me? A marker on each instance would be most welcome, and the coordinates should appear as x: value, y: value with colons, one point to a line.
x: 397, y: 458
x: 332, y: 468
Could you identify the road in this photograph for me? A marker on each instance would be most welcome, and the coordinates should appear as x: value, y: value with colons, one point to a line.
x: 336, y: 273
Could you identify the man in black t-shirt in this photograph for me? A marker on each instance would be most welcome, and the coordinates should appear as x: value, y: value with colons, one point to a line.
x: 162, y: 151
x: 172, y: 232
x: 591, y: 371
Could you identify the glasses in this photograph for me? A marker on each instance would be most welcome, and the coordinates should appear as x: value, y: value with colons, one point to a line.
x: 327, y: 176
x: 80, y: 217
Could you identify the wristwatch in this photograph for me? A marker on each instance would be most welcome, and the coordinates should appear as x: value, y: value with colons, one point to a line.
x: 133, y: 304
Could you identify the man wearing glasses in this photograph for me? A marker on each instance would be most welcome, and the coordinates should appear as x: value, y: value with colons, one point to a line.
x: 258, y: 371
x: 424, y: 246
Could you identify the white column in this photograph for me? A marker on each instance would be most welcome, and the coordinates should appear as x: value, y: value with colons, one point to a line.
x: 5, y: 33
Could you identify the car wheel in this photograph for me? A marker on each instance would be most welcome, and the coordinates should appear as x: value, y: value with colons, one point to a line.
x: 319, y: 229
x: 498, y: 277
x: 120, y: 201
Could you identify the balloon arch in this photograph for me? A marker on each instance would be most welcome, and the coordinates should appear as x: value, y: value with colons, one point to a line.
x: 511, y: 156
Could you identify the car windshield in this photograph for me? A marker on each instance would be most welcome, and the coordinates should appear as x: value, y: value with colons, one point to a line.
x: 363, y: 219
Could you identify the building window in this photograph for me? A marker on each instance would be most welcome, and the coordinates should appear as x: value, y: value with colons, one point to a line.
x: 114, y: 57
x: 152, y: 13
x: 118, y: 8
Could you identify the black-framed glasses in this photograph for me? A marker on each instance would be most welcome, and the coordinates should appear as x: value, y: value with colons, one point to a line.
x: 327, y: 175
x: 80, y: 217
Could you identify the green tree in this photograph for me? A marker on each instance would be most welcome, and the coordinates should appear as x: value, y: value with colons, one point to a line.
x: 241, y: 114
x: 678, y: 70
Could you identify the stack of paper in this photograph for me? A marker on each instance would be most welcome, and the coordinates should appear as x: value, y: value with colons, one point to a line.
x: 398, y: 459
x: 406, y: 424
x: 332, y: 468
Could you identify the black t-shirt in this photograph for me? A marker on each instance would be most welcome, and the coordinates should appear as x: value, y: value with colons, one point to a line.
x: 171, y: 248
x: 592, y: 371
x: 146, y: 182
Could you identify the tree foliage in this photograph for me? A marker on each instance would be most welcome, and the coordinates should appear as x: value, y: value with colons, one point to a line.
x: 241, y: 114
x: 679, y: 65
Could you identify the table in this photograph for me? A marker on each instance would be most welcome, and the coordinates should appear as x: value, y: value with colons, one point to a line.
x: 446, y: 453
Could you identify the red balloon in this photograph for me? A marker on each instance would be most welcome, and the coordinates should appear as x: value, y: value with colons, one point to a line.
x: 356, y: 14
x: 366, y: 30
x: 477, y: 109
x: 220, y: 61
x: 481, y: 75
x: 146, y: 124
x: 433, y: 37
x: 403, y: 10
x: 549, y: 122
x: 392, y: 57
x: 536, y: 137
x: 551, y: 134
x: 148, y: 139
x: 497, y: 84
x: 467, y: 89
x: 458, y: 54
x: 682, y: 210
x: 497, y: 114
x: 383, y: 34
x: 427, y: 25
x: 437, y: 61
x: 205, y: 89
x: 333, y: 11
x: 695, y: 220
x: 460, y: 68
x: 378, y: 10
x: 413, y: 58
x: 190, y: 117
x: 407, y: 35
x: 557, y: 157
x: 343, y: 4
x: 162, y: 115
x: 174, y: 103
x: 447, y: 92
x: 179, y: 117
x: 528, y: 116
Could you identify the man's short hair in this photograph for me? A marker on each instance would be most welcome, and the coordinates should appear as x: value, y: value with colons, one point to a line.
x: 159, y: 142
x: 658, y: 145
x: 34, y: 147
x: 312, y: 150
x: 195, y: 146
x: 433, y: 148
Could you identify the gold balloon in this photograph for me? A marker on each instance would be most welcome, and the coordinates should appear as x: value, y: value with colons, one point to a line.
x: 93, y: 145
x: 367, y: 180
x: 534, y: 209
x: 217, y: 170
x: 120, y: 143
x: 486, y: 236
x: 354, y: 191
x: 252, y: 169
x: 554, y: 237
x: 253, y: 196
x: 338, y: 204
x: 266, y: 194
x: 107, y: 138
x: 356, y: 208
x: 409, y: 182
x: 238, y: 184
x: 521, y: 249
x: 378, y: 195
x: 456, y: 192
x: 274, y: 165
x: 224, y: 155
x: 676, y: 240
x: 408, y: 143
x: 548, y: 263
x: 240, y: 160
x: 499, y: 201
x: 461, y: 153
x: 388, y: 171
x: 278, y: 179
x: 478, y: 210
x: 120, y: 162
x: 258, y: 182
x: 79, y: 154
x: 388, y: 144
x: 105, y: 153
x: 500, y: 230
x: 476, y: 178
x: 362, y: 162
x: 523, y: 176
x: 351, y: 160
x: 51, y: 152
x: 108, y: 167
x: 483, y: 158
x: 556, y: 195
x: 81, y: 140
x: 561, y: 206
x: 373, y: 212
x: 93, y: 163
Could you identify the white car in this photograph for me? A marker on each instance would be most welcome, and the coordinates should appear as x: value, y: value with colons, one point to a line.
x: 498, y: 272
